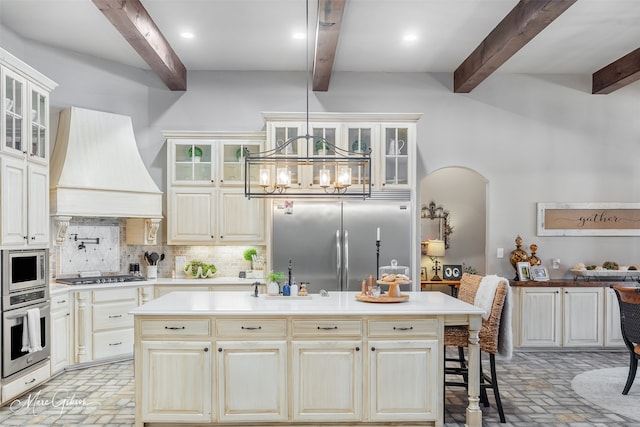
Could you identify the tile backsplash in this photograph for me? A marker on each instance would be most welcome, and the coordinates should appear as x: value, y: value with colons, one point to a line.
x: 113, y: 255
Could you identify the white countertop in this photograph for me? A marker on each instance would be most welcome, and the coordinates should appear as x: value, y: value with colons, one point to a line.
x: 337, y: 303
x: 56, y: 288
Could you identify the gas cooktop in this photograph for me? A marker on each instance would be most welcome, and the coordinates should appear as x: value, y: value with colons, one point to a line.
x: 99, y: 279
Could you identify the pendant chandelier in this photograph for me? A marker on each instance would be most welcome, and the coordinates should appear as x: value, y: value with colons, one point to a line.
x: 307, y: 165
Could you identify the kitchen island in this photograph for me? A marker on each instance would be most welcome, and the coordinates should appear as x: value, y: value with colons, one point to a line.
x: 228, y: 358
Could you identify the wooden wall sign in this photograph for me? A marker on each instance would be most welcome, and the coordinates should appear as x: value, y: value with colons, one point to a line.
x: 588, y: 219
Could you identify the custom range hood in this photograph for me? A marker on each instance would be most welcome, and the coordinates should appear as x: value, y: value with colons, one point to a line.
x: 96, y: 170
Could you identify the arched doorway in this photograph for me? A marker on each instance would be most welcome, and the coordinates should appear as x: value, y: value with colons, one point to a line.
x: 462, y: 192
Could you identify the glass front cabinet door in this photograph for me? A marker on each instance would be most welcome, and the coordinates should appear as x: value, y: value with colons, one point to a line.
x: 193, y: 162
x: 232, y: 161
x: 14, y: 109
x: 395, y: 157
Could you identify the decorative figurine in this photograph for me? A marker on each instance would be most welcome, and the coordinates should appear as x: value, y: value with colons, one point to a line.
x: 533, y: 259
x: 518, y: 255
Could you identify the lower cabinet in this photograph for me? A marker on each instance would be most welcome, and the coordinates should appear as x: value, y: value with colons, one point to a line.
x: 307, y: 371
x: 565, y: 317
x: 103, y: 327
x: 401, y: 378
x: 327, y: 380
x: 176, y: 381
x: 60, y: 332
x: 252, y: 381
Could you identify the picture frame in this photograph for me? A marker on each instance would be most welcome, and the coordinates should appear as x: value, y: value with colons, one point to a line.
x: 588, y: 219
x: 452, y: 272
x: 538, y: 273
x: 524, y: 273
x: 423, y: 274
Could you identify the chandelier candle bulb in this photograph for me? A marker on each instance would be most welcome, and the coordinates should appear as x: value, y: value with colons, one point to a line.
x: 325, y: 178
x: 344, y: 176
x: 265, y: 177
x: 284, y: 177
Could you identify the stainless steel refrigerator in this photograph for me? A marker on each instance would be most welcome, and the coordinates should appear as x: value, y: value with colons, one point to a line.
x: 332, y: 245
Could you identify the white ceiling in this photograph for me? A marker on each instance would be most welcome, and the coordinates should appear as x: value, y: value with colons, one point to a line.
x: 256, y: 34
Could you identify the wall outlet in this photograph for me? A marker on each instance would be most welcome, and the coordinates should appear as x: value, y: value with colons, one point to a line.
x: 500, y: 253
x: 555, y: 263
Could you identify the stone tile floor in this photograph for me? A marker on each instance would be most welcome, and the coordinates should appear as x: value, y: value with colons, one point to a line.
x: 535, y: 388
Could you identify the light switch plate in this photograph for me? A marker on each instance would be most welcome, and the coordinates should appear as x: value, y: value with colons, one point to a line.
x: 500, y: 253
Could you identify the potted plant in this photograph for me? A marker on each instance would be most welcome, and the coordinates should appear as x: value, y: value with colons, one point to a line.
x: 273, y: 288
x: 248, y: 255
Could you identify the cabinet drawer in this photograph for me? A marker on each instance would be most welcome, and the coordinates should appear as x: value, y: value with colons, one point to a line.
x: 60, y: 302
x: 253, y: 328
x: 327, y: 327
x: 112, y: 343
x: 175, y: 327
x: 25, y: 382
x: 118, y: 294
x: 113, y: 316
x: 403, y: 328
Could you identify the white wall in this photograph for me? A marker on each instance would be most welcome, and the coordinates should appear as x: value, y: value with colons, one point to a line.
x: 534, y: 137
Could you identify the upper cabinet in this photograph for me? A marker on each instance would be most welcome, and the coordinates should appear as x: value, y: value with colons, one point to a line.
x: 205, y: 189
x: 390, y: 137
x: 24, y: 154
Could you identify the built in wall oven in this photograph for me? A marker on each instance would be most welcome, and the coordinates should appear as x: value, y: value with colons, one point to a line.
x: 25, y: 286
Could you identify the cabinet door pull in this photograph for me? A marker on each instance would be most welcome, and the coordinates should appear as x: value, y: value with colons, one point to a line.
x: 174, y: 328
x: 327, y: 328
x: 251, y: 328
x: 115, y: 316
x: 410, y: 328
x: 116, y: 343
x: 33, y: 380
x: 62, y: 302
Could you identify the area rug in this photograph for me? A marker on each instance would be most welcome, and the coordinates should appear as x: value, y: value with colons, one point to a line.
x: 603, y: 387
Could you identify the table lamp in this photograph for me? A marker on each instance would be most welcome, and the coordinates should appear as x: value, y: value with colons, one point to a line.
x: 435, y: 249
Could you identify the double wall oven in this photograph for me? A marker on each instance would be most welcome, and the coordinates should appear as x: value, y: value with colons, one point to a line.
x: 25, y: 285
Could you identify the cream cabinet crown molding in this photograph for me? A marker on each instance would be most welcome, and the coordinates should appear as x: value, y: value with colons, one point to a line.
x: 215, y: 135
x: 342, y: 117
x: 26, y: 70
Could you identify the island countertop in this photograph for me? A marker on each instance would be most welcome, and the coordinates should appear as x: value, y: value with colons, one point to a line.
x: 337, y: 303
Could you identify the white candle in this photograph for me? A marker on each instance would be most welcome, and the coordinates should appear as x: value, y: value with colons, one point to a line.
x: 378, y: 234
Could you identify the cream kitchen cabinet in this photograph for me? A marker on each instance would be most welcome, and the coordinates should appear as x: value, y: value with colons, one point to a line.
x: 612, y: 331
x: 176, y: 375
x: 206, y: 202
x: 60, y: 332
x: 177, y: 381
x: 25, y: 207
x: 402, y: 368
x: 103, y: 327
x: 327, y: 380
x: 24, y: 154
x: 390, y: 137
x: 559, y: 317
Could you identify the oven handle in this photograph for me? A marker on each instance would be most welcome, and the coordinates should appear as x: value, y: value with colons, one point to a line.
x: 23, y: 313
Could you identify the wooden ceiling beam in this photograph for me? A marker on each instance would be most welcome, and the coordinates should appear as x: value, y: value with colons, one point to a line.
x: 132, y: 20
x: 327, y: 33
x: 525, y: 21
x: 619, y: 73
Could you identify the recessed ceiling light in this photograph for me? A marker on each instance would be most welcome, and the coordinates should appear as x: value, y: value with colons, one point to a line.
x: 410, y: 37
x: 187, y: 35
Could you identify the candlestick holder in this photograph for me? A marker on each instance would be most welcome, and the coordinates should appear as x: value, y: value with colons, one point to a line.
x: 377, y: 259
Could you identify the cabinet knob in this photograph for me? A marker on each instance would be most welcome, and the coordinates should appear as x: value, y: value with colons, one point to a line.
x: 373, y: 349
x: 357, y: 348
x: 221, y: 181
x: 25, y: 237
x: 219, y: 349
x: 222, y: 237
x: 206, y: 349
x: 33, y: 237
